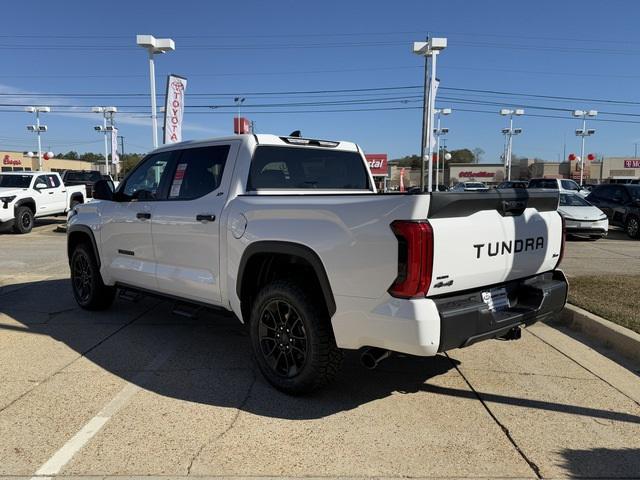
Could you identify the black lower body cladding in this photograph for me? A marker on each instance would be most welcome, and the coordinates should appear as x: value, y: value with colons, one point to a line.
x: 466, y: 319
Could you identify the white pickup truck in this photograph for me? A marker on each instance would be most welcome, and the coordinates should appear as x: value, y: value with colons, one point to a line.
x: 25, y: 196
x: 291, y: 236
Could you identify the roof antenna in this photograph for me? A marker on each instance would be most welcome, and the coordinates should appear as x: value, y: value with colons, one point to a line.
x: 296, y: 133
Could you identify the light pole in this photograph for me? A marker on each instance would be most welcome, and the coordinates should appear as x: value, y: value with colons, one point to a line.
x: 153, y: 46
x: 107, y: 113
x: 583, y: 133
x: 438, y: 132
x: 239, y: 101
x: 37, y: 128
x: 430, y: 50
x: 509, y: 132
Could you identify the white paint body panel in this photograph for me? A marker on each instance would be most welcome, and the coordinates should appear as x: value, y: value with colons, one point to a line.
x: 349, y: 232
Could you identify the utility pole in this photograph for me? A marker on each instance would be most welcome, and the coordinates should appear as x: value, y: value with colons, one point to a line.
x: 429, y: 49
x: 583, y: 133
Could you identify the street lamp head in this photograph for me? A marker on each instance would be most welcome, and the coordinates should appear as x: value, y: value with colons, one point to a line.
x: 519, y: 111
x: 155, y: 45
x: 437, y: 43
x: 110, y: 109
x: 98, y: 128
x: 592, y: 113
x: 505, y: 130
x: 579, y: 131
x: 517, y: 131
x: 505, y: 111
x: 591, y: 131
x: 43, y: 109
x: 420, y: 48
x: 579, y: 113
x: 97, y: 109
x: 30, y: 109
x: 446, y: 111
x: 32, y: 128
x: 444, y: 130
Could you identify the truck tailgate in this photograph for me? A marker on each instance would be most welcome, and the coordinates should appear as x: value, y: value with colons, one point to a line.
x: 483, y: 239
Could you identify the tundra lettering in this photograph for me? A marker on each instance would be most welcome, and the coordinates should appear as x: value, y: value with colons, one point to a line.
x: 502, y: 248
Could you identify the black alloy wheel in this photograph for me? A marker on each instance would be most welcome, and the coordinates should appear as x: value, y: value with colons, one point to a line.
x: 283, y: 340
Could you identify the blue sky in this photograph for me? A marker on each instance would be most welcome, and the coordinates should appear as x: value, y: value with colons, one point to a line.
x: 77, y: 52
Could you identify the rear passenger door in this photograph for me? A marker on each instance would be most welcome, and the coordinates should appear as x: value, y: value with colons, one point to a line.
x: 186, y: 226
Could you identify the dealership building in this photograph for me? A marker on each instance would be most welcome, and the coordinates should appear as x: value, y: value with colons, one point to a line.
x: 21, y: 162
x: 604, y: 170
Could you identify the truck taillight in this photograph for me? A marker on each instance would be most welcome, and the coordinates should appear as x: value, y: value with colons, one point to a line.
x: 415, y: 258
x: 564, y: 240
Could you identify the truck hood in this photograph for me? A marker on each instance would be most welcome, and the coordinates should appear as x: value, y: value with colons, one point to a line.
x: 7, y: 192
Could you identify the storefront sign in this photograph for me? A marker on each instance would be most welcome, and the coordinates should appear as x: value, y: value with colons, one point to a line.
x: 7, y: 160
x: 632, y: 164
x: 174, y: 108
x: 477, y: 174
x: 377, y: 163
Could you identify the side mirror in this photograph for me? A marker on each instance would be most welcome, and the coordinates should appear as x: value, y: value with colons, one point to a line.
x: 40, y: 186
x: 103, y: 190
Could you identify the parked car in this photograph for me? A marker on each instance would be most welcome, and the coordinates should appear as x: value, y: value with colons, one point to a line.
x: 470, y: 187
x: 512, y: 184
x: 289, y: 234
x: 621, y: 204
x: 88, y: 178
x: 25, y: 196
x: 561, y: 184
x: 582, y: 218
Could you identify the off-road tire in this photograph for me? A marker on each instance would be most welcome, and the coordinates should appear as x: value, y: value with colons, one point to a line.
x: 88, y: 288
x: 23, y: 222
x: 632, y: 227
x: 322, y: 358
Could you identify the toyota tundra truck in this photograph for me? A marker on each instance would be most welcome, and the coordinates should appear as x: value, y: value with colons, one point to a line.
x: 290, y: 235
x: 25, y: 196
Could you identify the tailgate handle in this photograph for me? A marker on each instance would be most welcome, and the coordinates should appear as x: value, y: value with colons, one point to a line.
x: 513, y: 207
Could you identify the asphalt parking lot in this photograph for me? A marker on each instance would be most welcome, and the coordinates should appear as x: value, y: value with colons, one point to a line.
x: 137, y: 390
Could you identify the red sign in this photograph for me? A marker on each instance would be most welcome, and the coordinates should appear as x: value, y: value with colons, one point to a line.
x: 7, y: 160
x: 377, y: 163
x: 241, y: 125
x: 632, y: 164
x: 476, y: 174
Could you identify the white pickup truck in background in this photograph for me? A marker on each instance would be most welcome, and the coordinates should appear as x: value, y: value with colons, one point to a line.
x: 25, y: 196
x: 291, y: 236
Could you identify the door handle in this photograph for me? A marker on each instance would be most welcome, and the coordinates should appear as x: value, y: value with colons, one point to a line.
x: 205, y: 218
x: 143, y: 215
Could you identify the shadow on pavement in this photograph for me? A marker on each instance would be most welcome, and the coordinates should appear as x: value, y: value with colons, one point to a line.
x: 602, y: 462
x: 212, y: 361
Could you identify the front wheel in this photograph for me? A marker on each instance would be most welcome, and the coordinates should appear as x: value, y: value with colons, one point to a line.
x: 292, y: 339
x: 632, y: 227
x: 88, y: 289
x: 24, y: 220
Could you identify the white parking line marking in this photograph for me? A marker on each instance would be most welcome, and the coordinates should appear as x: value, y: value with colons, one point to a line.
x: 58, y: 460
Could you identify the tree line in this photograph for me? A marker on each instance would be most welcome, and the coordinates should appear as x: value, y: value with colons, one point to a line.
x: 463, y: 155
x: 128, y: 160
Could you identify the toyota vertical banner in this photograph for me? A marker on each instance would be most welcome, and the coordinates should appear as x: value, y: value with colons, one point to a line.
x: 174, y: 108
x: 115, y: 158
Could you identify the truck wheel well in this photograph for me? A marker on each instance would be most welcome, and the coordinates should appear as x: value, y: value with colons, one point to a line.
x: 77, y: 237
x: 78, y: 197
x: 282, y: 261
x: 28, y: 202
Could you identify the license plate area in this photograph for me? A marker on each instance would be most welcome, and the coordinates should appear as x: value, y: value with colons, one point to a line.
x: 496, y: 299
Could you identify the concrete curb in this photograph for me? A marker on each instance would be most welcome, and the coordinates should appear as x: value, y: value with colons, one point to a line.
x: 624, y: 341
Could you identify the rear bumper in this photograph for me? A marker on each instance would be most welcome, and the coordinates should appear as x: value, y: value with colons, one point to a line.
x: 466, y: 319
x: 427, y: 326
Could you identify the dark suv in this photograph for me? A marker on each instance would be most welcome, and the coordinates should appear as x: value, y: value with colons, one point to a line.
x: 82, y: 177
x: 621, y: 203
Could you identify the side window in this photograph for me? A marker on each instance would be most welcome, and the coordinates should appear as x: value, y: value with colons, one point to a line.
x: 569, y: 185
x: 41, y: 179
x: 621, y: 195
x: 605, y: 192
x: 52, y: 181
x: 198, y: 172
x: 144, y: 182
